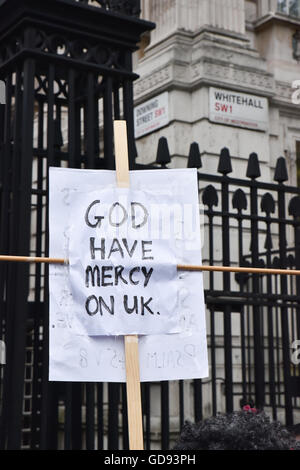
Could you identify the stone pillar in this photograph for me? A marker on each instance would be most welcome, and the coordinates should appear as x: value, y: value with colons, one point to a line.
x: 267, y: 6
x: 173, y: 15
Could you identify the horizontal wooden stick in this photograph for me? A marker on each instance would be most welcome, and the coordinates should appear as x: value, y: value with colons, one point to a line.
x: 238, y: 269
x: 33, y: 259
x: 180, y: 267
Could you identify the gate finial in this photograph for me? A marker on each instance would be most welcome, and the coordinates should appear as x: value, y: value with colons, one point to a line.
x: 239, y: 200
x: 194, y: 160
x: 224, y: 166
x: 281, y: 173
x: 253, y: 170
x: 163, y: 154
x: 294, y: 206
x: 210, y: 196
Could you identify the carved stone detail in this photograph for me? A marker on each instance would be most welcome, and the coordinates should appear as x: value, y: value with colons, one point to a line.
x: 157, y: 79
x: 284, y: 91
x: 208, y: 71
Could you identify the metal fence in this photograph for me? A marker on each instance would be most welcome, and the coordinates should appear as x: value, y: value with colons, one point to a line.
x: 258, y: 224
x: 68, y: 74
x: 253, y: 320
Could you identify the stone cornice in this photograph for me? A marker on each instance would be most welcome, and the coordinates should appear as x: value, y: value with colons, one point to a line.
x: 283, y: 100
x: 278, y: 18
x: 204, y: 71
x: 257, y: 81
x: 284, y: 91
x: 153, y: 83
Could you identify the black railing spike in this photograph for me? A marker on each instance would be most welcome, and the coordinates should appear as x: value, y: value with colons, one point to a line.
x: 163, y: 154
x: 2, y: 120
x: 281, y: 173
x: 294, y: 206
x: 224, y: 166
x: 58, y: 138
x: 291, y: 262
x: 267, y: 204
x: 239, y: 200
x: 194, y: 160
x: 253, y: 170
x: 210, y: 196
x: 134, y: 150
x: 268, y: 241
x: 242, y: 278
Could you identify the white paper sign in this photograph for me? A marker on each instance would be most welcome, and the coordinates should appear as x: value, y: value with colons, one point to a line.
x: 123, y: 271
x: 238, y: 109
x: 81, y: 357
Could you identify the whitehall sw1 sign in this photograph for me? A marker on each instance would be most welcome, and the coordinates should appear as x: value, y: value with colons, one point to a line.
x: 238, y: 109
x: 151, y: 115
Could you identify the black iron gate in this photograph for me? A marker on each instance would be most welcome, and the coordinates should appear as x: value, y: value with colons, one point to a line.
x: 68, y: 73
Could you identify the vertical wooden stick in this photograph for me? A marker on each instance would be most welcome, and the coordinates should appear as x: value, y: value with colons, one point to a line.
x: 133, y: 385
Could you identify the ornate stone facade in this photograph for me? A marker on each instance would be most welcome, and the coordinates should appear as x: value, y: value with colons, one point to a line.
x: 238, y: 45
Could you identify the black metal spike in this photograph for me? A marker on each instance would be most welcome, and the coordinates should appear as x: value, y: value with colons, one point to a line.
x: 268, y: 242
x: 294, y: 206
x: 291, y: 262
x: 267, y: 204
x: 224, y: 166
x: 210, y: 196
x: 58, y: 137
x: 281, y: 173
x: 253, y: 170
x: 2, y: 118
x: 276, y: 262
x: 239, y: 200
x: 134, y: 150
x: 194, y: 160
x: 242, y: 278
x: 163, y: 154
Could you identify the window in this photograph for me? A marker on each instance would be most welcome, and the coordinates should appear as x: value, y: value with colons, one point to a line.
x: 289, y: 7
x: 298, y: 161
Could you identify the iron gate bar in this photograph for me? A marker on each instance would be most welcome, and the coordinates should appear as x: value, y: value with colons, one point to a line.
x: 125, y: 432
x: 100, y: 420
x: 165, y: 410
x: 284, y: 317
x: 181, y: 403
x: 198, y: 400
x: 213, y: 359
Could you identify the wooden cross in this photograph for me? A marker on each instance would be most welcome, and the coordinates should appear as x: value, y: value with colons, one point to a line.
x: 133, y: 385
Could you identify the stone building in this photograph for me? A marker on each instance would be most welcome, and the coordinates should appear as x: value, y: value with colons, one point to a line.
x: 243, y: 47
